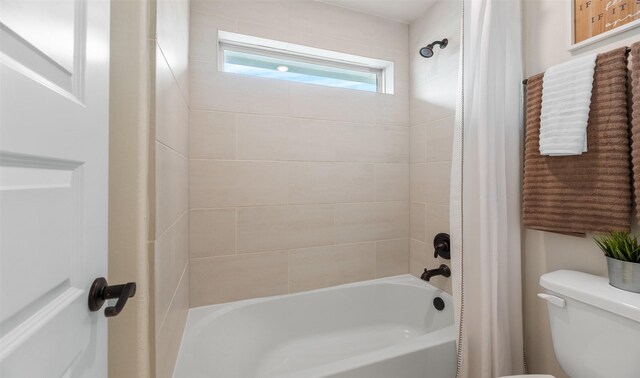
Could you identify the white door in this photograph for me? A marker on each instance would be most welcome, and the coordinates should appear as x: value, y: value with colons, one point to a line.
x: 54, y: 76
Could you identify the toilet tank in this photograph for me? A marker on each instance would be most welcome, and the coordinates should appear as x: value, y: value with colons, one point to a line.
x: 595, y: 327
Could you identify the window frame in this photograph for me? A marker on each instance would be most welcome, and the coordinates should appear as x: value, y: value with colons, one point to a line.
x: 228, y: 41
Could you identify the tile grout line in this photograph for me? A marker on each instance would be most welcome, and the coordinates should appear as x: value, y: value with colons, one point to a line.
x: 235, y: 249
x: 173, y: 296
x: 309, y: 204
x: 307, y: 161
x: 290, y: 250
x: 367, y: 124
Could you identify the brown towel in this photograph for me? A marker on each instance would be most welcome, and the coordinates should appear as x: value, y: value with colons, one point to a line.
x: 587, y: 193
x: 635, y: 121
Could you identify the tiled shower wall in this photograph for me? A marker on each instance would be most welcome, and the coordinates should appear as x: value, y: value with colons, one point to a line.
x: 171, y: 233
x: 294, y: 186
x: 433, y: 102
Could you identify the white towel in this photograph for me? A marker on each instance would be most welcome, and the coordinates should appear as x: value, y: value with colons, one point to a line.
x: 566, y: 97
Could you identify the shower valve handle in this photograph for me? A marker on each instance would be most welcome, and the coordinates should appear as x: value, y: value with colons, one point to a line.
x: 441, y: 246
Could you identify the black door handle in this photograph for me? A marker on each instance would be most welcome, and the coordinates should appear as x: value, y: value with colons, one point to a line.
x: 100, y: 291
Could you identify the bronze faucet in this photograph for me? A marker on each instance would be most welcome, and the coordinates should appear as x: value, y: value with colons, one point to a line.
x: 443, y: 270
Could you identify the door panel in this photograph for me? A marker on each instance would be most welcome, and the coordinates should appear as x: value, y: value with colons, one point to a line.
x: 54, y: 71
x: 46, y: 41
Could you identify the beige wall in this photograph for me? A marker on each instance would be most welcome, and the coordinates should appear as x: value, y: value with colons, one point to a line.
x: 295, y: 186
x: 148, y: 183
x: 546, y: 29
x: 433, y: 102
x: 130, y: 350
x: 170, y: 232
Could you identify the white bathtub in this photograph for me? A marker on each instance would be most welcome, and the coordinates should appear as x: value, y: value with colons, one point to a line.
x: 387, y: 328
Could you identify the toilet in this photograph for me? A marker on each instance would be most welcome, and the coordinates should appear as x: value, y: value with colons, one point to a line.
x: 595, y: 327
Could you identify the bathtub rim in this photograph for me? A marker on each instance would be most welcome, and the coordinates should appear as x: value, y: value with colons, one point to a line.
x: 432, y: 339
x: 403, y: 279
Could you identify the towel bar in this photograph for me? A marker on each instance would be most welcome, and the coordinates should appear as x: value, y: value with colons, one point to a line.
x: 524, y: 82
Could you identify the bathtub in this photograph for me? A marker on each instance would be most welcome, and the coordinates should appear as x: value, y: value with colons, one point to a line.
x: 386, y: 328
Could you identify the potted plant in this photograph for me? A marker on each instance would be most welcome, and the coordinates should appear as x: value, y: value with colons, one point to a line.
x: 623, y: 259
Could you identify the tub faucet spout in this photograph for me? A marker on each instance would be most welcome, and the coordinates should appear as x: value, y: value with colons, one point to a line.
x: 443, y: 270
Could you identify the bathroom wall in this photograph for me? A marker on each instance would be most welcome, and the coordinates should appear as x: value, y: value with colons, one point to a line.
x: 433, y: 101
x: 130, y: 352
x: 546, y: 35
x: 170, y: 147
x: 295, y: 186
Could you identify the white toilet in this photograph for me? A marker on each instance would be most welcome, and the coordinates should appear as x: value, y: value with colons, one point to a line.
x: 595, y: 327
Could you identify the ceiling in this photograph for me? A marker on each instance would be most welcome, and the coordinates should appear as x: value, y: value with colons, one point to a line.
x: 398, y: 10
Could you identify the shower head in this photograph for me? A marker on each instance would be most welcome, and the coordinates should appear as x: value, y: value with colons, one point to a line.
x: 427, y: 51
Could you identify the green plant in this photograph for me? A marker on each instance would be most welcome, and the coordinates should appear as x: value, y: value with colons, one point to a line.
x: 620, y: 246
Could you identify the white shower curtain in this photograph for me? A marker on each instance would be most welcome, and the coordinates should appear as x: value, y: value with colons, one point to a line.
x: 485, y: 192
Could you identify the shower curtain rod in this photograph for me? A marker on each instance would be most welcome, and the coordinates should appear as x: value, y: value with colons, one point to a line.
x: 524, y: 82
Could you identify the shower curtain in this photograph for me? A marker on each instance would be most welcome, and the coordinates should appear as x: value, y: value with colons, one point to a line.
x: 485, y: 191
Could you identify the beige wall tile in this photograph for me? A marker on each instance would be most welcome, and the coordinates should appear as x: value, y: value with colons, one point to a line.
x: 283, y: 138
x: 172, y: 112
x: 421, y: 257
x: 392, y: 182
x: 371, y: 221
x: 418, y: 143
x: 434, y: 100
x: 334, y: 104
x: 442, y: 283
x: 214, y: 90
x: 212, y: 232
x: 170, y: 257
x: 237, y: 183
x: 393, y: 109
x: 203, y: 39
x: 272, y: 12
x: 348, y: 46
x: 392, y: 257
x: 441, y: 20
x: 365, y: 143
x: 433, y: 103
x: 402, y: 82
x: 170, y: 171
x: 430, y: 182
x: 172, y: 192
x: 275, y: 32
x: 339, y: 23
x: 313, y: 268
x: 330, y: 183
x: 418, y: 182
x: 440, y: 140
x: 231, y: 278
x: 418, y: 219
x: 169, y: 335
x: 172, y: 35
x: 340, y: 148
x: 437, y: 218
x: 212, y: 135
x: 438, y: 176
x: 392, y: 35
x: 273, y: 228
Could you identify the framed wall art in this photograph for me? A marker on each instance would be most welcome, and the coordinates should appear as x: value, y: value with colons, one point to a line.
x: 595, y: 20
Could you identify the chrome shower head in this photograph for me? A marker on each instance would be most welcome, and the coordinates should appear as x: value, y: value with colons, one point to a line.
x: 427, y: 51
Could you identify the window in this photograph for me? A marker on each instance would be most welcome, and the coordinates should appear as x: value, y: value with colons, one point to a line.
x: 260, y: 57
